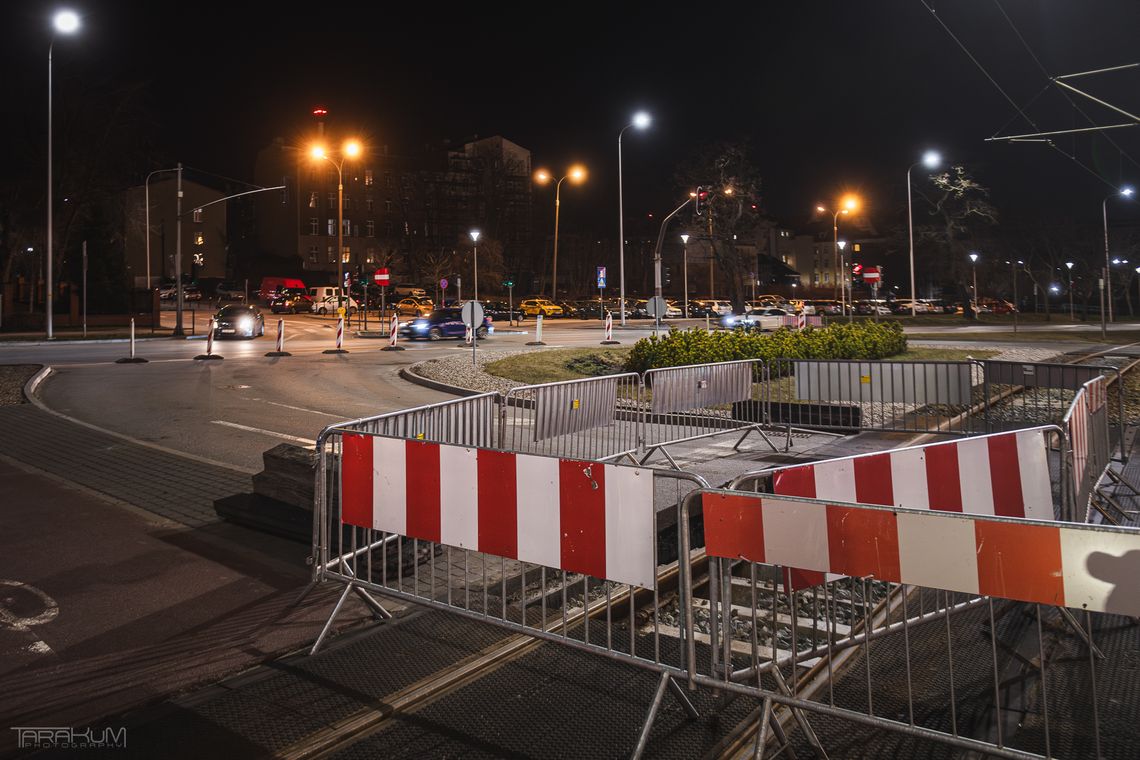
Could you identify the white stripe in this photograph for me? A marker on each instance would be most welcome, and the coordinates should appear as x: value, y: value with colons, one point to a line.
x: 458, y: 497
x: 938, y: 551
x: 307, y: 441
x: 389, y: 485
x: 908, y: 478
x: 835, y: 480
x: 538, y: 515
x: 1036, y: 489
x: 974, y: 476
x: 630, y: 537
x: 1100, y: 570
x: 795, y: 534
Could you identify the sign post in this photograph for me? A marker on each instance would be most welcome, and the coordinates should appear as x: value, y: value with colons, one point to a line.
x: 874, y: 276
x: 602, y: 295
x: 510, y: 286
x: 381, y: 278
x: 473, y: 318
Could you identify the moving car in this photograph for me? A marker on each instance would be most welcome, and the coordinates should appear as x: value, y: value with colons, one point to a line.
x: 291, y: 301
x: 766, y: 319
x: 711, y: 307
x: 238, y: 320
x: 328, y: 305
x: 442, y: 323
x: 414, y: 306
x: 229, y: 291
x: 534, y: 306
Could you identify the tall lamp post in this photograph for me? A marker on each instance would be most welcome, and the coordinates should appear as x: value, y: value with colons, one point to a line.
x: 685, y: 269
x: 846, y: 206
x: 931, y: 159
x: 1124, y: 193
x: 351, y: 149
x: 475, y: 240
x: 974, y: 264
x: 577, y: 175
x: 64, y: 22
x: 1069, y: 266
x: 641, y: 120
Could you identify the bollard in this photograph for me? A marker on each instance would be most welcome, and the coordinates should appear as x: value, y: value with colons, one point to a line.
x: 707, y: 328
x: 339, y: 338
x: 132, y: 359
x: 209, y: 355
x: 393, y: 331
x: 609, y: 340
x: 280, y: 351
x: 537, y: 332
x: 467, y: 337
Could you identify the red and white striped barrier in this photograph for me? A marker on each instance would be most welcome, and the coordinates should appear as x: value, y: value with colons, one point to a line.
x: 1092, y: 400
x: 1030, y: 561
x: 210, y: 338
x: 467, y: 335
x: 583, y: 517
x: 339, y: 332
x: 800, y: 321
x: 393, y: 330
x: 609, y: 326
x: 1005, y: 474
x: 280, y: 335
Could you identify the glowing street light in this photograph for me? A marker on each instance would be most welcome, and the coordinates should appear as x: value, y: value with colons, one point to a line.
x: 65, y: 22
x: 1126, y: 193
x: 350, y: 149
x: 577, y: 175
x: 847, y: 205
x: 931, y: 159
x: 974, y: 262
x: 641, y: 120
x: 475, y: 241
x: 1069, y: 265
x: 685, y: 269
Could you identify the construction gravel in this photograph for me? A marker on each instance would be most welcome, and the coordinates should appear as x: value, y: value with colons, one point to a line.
x: 12, y: 380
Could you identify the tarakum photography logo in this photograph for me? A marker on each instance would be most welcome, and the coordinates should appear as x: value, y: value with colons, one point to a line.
x: 66, y: 737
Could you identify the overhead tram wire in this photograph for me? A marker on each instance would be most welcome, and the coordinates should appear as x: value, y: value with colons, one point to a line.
x: 1006, y: 95
x: 1049, y: 77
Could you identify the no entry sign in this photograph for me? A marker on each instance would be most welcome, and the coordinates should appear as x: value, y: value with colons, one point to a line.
x: 871, y: 274
x: 381, y: 277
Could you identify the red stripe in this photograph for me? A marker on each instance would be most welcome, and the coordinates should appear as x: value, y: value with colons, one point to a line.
x: 863, y: 542
x: 795, y: 481
x: 734, y: 527
x: 356, y: 480
x: 1020, y: 562
x: 796, y: 579
x: 582, y: 511
x: 422, y: 470
x: 943, y: 481
x: 1005, y: 476
x: 498, y: 497
x: 873, y: 480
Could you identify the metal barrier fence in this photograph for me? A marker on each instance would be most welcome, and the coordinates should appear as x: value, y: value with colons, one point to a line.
x: 1087, y: 424
x: 852, y: 395
x: 699, y: 401
x: 596, y: 418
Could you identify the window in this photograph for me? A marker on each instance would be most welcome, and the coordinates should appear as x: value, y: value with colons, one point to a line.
x: 347, y: 228
x: 387, y: 207
x: 314, y: 225
x: 332, y: 253
x: 347, y: 203
x: 371, y: 227
x: 346, y: 256
x: 198, y: 216
x: 371, y: 255
x: 332, y: 226
x: 369, y: 204
x: 388, y: 228
x: 388, y: 180
x: 367, y: 177
x: 314, y: 253
x: 199, y: 238
x: 313, y: 199
x: 332, y: 200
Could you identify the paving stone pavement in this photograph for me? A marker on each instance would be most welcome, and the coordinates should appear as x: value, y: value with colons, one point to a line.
x: 173, y: 487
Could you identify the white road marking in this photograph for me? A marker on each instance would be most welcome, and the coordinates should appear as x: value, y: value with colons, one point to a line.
x: 307, y: 441
x: 297, y: 408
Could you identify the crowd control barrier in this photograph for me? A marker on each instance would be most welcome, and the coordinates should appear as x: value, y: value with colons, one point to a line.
x: 1086, y: 422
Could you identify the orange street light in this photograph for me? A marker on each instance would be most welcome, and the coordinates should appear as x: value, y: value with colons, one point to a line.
x: 351, y: 149
x: 577, y: 175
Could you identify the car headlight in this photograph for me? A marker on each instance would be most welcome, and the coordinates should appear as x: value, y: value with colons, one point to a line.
x: 729, y: 320
x: 246, y: 323
x: 421, y: 326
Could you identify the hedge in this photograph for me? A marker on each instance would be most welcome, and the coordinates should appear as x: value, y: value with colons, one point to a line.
x: 853, y: 340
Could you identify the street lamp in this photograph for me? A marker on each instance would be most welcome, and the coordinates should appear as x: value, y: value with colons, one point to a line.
x: 1013, y: 274
x: 931, y: 159
x: 847, y: 205
x: 577, y: 175
x: 1124, y: 192
x: 974, y: 263
x: 64, y: 22
x: 843, y: 268
x: 641, y: 120
x: 475, y: 241
x: 351, y: 149
x: 685, y: 269
x: 1072, y: 316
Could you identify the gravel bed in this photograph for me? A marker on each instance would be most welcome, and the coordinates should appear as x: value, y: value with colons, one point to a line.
x: 457, y: 370
x: 13, y: 377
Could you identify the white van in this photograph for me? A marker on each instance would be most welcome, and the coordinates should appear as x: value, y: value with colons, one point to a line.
x: 323, y: 292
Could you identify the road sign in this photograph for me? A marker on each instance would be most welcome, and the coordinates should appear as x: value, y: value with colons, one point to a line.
x: 657, y: 307
x: 871, y: 274
x: 473, y: 313
x: 443, y: 284
x: 381, y: 277
x: 601, y: 277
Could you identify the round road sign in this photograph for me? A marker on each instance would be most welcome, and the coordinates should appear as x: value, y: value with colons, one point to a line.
x: 473, y: 313
x: 657, y: 307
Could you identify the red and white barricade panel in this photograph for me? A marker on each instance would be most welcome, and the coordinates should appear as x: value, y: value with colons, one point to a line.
x: 1093, y: 399
x: 1083, y: 567
x: 579, y: 516
x: 1005, y: 474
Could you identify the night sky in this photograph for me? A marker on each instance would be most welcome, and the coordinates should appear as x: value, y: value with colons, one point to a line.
x: 831, y: 96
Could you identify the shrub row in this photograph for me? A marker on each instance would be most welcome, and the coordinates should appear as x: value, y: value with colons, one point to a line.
x: 856, y: 340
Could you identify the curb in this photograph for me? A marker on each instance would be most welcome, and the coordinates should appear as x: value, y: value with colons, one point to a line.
x: 454, y: 390
x: 77, y: 341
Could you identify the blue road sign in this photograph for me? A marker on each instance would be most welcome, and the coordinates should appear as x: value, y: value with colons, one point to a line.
x: 601, y: 277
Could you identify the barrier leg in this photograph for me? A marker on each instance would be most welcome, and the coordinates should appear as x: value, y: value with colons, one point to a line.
x: 679, y: 693
x: 646, y: 727
x: 798, y: 714
x: 759, y: 432
x: 378, y: 610
x: 762, y: 730
x: 664, y: 452
x: 328, y: 624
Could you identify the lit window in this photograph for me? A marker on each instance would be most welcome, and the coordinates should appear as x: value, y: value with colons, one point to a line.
x: 314, y: 253
x: 198, y: 215
x: 371, y: 227
x: 199, y: 238
x: 332, y: 226
x: 346, y: 256
x: 313, y: 200
x: 314, y: 225
x: 348, y: 228
x: 332, y: 253
x: 371, y: 255
x: 368, y: 180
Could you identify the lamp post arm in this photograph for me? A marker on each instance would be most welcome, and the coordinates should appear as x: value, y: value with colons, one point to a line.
x: 229, y: 197
x: 657, y: 249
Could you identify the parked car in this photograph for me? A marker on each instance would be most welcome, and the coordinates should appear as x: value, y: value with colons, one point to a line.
x: 269, y: 286
x: 1000, y: 307
x: 329, y: 305
x: 767, y: 318
x: 535, y: 306
x: 712, y: 307
x: 867, y: 308
x: 409, y: 290
x: 903, y: 307
x: 499, y: 311
x: 238, y: 320
x: 442, y: 323
x: 593, y: 309
x: 569, y: 310
x: 291, y: 301
x: 229, y: 291
x: 414, y: 306
x: 191, y: 292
